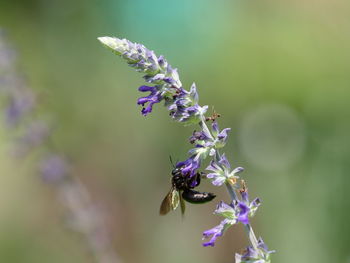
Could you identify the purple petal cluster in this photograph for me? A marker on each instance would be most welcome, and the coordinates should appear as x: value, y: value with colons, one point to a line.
x: 157, y: 70
x: 189, y: 167
x: 220, y: 136
x: 34, y: 136
x: 220, y: 171
x: 20, y: 102
x: 237, y: 211
x: 232, y: 214
x: 183, y: 105
x: 53, y: 168
x: 253, y: 205
x: 260, y: 254
x: 154, y: 97
x: 214, y: 233
x: 198, y: 136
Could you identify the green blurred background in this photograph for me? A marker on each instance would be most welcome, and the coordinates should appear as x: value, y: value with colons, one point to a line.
x: 278, y: 72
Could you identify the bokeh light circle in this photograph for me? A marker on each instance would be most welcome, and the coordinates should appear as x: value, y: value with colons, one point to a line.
x: 272, y: 137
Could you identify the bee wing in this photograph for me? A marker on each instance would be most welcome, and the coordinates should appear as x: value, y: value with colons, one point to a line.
x: 182, y: 205
x: 170, y: 202
x: 175, y: 198
x: 166, y: 204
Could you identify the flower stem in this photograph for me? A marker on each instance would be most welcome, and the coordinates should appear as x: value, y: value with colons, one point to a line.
x: 230, y: 189
x: 252, y: 238
x: 205, y: 127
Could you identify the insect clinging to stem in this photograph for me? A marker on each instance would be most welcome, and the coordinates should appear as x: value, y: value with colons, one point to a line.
x: 182, y: 190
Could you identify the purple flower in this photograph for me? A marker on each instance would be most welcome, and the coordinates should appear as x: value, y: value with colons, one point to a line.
x: 188, y: 114
x: 185, y: 106
x: 182, y: 104
x: 152, y: 98
x: 221, y: 171
x: 53, y: 168
x: 34, y: 135
x: 243, y: 212
x: 230, y: 218
x: 220, y: 136
x: 233, y: 214
x: 252, y: 206
x: 198, y: 136
x: 259, y: 255
x: 214, y: 232
x: 189, y: 167
x: 21, y: 102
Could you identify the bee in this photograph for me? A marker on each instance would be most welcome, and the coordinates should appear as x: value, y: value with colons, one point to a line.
x: 213, y: 117
x: 182, y: 190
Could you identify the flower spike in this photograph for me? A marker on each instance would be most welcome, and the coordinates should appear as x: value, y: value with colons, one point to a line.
x: 183, y: 106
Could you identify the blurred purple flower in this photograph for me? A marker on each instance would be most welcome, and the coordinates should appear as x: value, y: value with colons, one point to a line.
x: 34, y: 135
x: 53, y: 168
x: 21, y: 102
x: 198, y: 136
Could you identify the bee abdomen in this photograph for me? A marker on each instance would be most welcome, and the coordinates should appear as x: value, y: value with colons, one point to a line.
x: 196, y: 197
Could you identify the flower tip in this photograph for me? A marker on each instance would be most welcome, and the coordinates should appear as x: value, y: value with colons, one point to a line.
x: 208, y: 244
x: 110, y: 42
x: 238, y: 170
x: 103, y: 40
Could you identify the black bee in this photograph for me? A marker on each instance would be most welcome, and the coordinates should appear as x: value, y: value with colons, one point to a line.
x: 182, y: 189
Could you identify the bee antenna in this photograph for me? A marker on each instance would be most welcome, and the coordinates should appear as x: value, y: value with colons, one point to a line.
x: 171, y: 161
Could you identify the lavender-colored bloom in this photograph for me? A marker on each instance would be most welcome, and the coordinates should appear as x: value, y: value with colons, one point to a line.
x: 214, y: 233
x: 237, y: 212
x: 189, y: 167
x: 220, y: 136
x: 259, y: 255
x: 229, y: 213
x: 187, y: 114
x: 185, y: 107
x: 221, y: 171
x: 53, y: 168
x: 157, y: 69
x: 243, y: 213
x: 253, y: 206
x: 34, y: 135
x: 20, y: 103
x: 231, y: 216
x: 197, y: 136
x: 152, y: 98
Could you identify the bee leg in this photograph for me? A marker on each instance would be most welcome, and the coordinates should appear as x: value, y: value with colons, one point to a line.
x: 198, y: 178
x: 194, y: 181
x: 203, y: 175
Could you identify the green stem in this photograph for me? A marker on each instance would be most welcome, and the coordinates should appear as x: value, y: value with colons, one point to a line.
x: 230, y: 189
